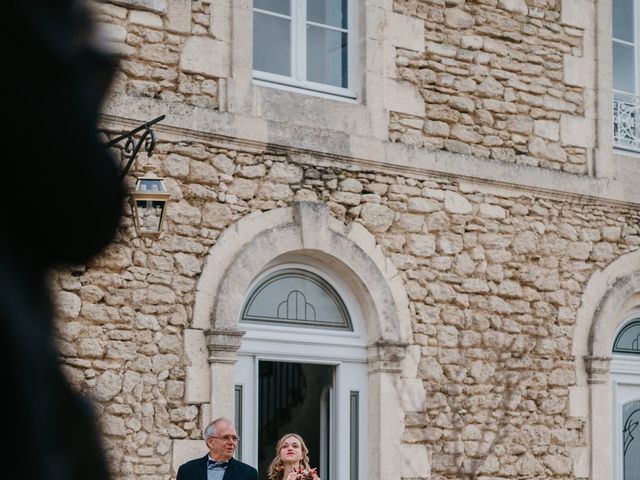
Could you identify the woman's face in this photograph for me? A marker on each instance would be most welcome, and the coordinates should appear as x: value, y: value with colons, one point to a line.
x: 291, y: 450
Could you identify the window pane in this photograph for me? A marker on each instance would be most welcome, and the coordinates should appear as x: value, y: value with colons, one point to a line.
x: 238, y: 419
x: 628, y: 340
x: 623, y: 68
x: 297, y: 297
x: 354, y: 434
x: 276, y: 6
x: 631, y: 440
x: 623, y: 20
x: 271, y: 44
x: 328, y: 12
x: 326, y: 411
x: 327, y: 56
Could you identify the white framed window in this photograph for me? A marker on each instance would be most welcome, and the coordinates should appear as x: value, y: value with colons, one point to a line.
x: 307, y: 45
x: 626, y: 74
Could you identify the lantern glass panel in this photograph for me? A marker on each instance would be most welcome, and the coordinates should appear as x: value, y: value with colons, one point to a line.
x: 151, y: 185
x: 149, y: 215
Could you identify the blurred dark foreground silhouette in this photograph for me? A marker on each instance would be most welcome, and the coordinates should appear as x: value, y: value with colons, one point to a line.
x: 60, y: 202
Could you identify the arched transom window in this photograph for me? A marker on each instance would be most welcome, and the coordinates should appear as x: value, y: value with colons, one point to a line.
x: 296, y: 296
x: 628, y: 340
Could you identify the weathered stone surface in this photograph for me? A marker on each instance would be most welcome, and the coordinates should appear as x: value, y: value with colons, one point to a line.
x: 285, y: 173
x: 216, y: 215
x: 457, y: 18
x: 205, y: 56
x: 67, y: 305
x: 183, y: 212
x: 116, y: 257
x: 454, y: 203
x: 159, y: 6
x: 449, y: 243
x: 108, y: 385
x: 421, y: 245
x: 492, y: 211
x: 376, y: 218
x: 202, y: 173
x: 176, y: 166
x: 516, y: 6
x: 112, y: 425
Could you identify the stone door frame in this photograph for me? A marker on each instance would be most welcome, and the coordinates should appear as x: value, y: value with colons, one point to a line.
x: 307, y: 228
x: 609, y: 297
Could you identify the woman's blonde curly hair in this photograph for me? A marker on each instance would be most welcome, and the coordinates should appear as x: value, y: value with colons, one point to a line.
x: 276, y: 469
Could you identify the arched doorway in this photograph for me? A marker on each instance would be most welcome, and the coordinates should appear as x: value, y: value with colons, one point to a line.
x: 609, y: 302
x: 214, y: 339
x: 302, y: 368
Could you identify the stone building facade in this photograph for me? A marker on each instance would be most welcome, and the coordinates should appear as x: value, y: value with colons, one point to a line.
x: 468, y: 205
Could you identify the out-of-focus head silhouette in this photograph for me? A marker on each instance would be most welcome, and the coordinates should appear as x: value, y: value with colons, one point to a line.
x: 61, y: 199
x: 60, y: 202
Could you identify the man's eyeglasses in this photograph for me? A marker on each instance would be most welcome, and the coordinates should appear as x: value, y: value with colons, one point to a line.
x: 228, y: 438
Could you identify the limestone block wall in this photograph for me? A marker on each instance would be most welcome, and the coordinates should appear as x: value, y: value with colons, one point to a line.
x: 494, y: 277
x: 494, y: 81
x: 511, y: 81
x: 159, y: 44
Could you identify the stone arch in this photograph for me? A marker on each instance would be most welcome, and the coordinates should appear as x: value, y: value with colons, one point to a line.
x: 609, y: 294
x: 307, y: 228
x: 609, y: 297
x: 244, y: 249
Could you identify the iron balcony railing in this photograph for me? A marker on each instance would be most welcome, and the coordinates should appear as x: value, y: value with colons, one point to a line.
x: 626, y: 121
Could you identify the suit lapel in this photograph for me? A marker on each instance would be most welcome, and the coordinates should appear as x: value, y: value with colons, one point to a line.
x: 230, y: 471
x: 203, y: 468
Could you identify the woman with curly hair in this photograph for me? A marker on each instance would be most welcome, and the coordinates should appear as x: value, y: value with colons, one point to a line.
x: 291, y: 461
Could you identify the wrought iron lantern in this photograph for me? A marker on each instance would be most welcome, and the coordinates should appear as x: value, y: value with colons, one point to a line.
x: 149, y: 204
x: 150, y: 197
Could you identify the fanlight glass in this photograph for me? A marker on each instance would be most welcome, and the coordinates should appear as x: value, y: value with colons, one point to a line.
x: 628, y: 340
x: 296, y: 296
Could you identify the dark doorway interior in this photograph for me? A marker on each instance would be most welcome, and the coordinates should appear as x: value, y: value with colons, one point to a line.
x: 290, y: 401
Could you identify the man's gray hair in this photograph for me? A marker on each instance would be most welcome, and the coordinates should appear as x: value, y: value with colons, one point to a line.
x: 210, y: 431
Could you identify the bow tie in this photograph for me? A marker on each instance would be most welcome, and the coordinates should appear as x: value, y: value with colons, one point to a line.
x: 216, y: 464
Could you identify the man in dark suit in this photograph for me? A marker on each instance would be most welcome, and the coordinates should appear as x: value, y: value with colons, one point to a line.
x: 221, y: 439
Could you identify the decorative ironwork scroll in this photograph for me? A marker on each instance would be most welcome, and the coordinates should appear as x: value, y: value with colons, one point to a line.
x: 626, y: 121
x: 132, y: 146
